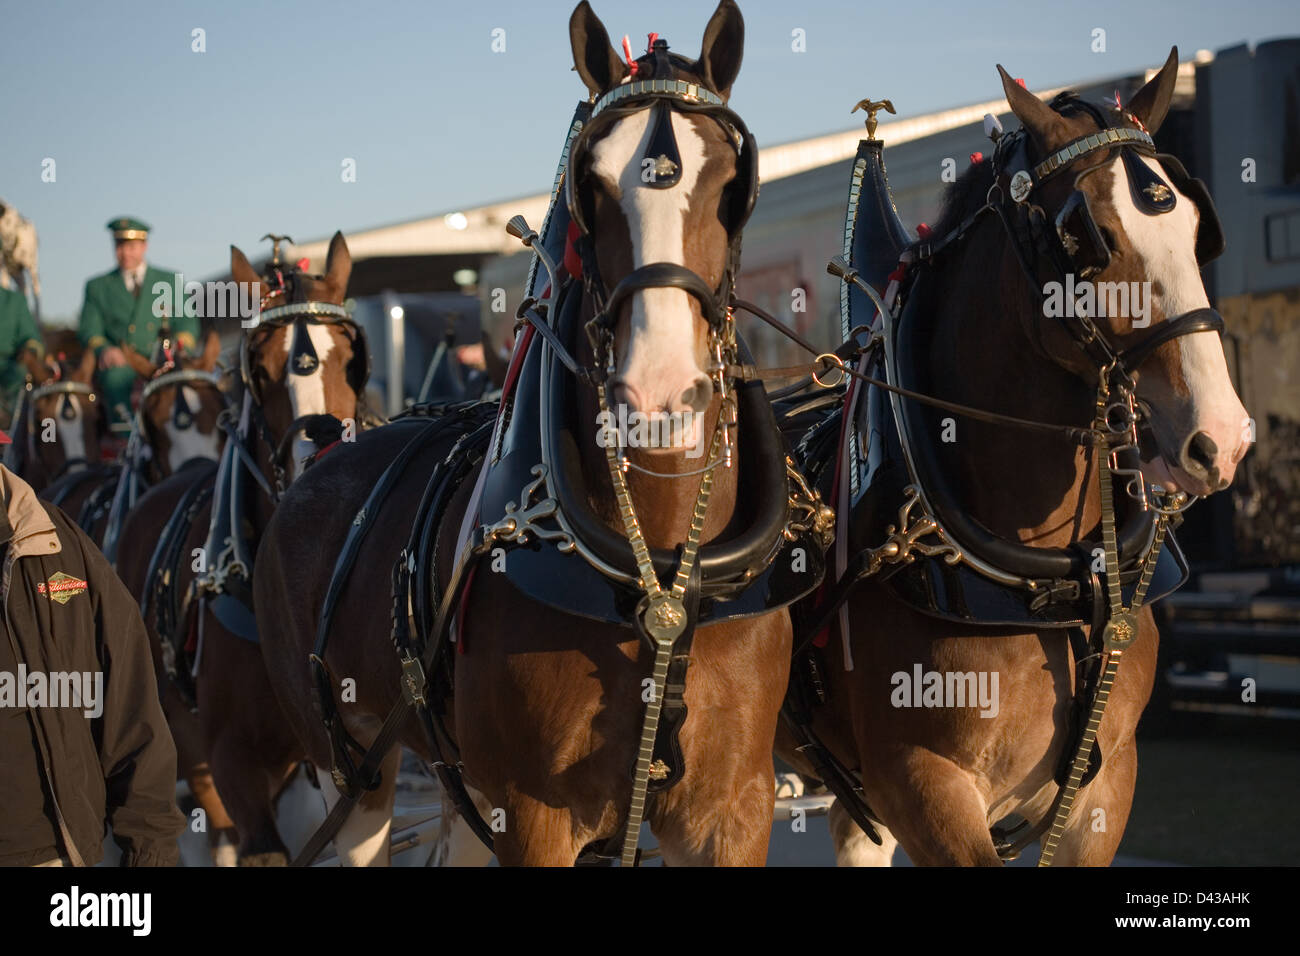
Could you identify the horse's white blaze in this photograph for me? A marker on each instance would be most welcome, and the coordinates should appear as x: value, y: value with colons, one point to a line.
x: 188, y: 443
x: 307, y: 392
x: 71, y: 432
x: 660, y: 363
x: 1167, y: 244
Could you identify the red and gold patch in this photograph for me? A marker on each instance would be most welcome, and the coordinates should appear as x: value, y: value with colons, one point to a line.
x: 61, y: 587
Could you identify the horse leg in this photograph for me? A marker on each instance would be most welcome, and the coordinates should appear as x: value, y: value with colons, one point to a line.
x: 363, y: 839
x: 853, y: 847
x: 1100, y: 813
x: 935, y: 810
x: 223, y: 837
x: 536, y: 834
x: 251, y: 753
x: 457, y: 844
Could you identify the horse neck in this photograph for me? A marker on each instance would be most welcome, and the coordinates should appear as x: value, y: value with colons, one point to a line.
x: 1022, y: 484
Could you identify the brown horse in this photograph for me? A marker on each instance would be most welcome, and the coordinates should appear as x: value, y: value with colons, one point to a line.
x: 237, y: 719
x: 175, y: 423
x: 940, y: 771
x: 549, y: 699
x: 60, y: 424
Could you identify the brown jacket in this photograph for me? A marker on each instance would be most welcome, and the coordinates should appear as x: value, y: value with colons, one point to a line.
x: 66, y: 611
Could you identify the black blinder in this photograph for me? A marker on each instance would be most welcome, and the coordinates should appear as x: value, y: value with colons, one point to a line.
x: 358, y: 368
x: 1209, y: 231
x: 302, y: 355
x: 661, y: 167
x: 182, y: 417
x: 1152, y: 194
x: 1080, y: 238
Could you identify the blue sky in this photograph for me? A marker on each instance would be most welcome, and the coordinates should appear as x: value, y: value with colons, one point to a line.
x: 219, y: 147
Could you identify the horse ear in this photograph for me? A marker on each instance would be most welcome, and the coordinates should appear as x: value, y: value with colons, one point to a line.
x: 595, y: 58
x: 240, y: 268
x: 211, y: 351
x: 1151, y: 103
x: 338, y: 265
x: 723, y: 48
x: 1043, y: 122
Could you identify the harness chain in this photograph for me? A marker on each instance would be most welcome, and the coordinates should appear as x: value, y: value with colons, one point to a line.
x: 664, y: 617
x: 1120, y: 631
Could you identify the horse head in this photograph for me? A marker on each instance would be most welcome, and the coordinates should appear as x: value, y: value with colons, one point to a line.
x: 179, y: 408
x: 665, y: 183
x: 304, y: 357
x: 1133, y: 225
x: 63, y: 420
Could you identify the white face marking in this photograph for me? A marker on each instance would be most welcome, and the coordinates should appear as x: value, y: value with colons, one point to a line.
x: 307, y: 392
x: 660, y: 363
x: 1167, y: 244
x: 188, y: 443
x: 71, y: 431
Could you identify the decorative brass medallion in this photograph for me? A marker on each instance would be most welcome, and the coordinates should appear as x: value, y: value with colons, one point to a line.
x: 664, y: 166
x: 665, y: 617
x: 1070, y: 243
x: 1158, y: 192
x: 1120, y: 630
x: 1021, y: 186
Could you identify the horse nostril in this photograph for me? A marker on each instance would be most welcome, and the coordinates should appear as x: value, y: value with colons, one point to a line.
x: 698, y: 396
x: 1202, y: 450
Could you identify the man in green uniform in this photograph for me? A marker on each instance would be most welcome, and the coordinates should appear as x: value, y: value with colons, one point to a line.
x: 18, y: 334
x: 128, y: 306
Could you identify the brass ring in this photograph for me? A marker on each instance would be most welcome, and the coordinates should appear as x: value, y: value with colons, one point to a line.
x: 839, y: 365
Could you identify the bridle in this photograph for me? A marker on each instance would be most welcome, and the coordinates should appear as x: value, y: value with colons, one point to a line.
x: 303, y: 360
x: 1052, y: 248
x: 65, y: 387
x: 663, y: 95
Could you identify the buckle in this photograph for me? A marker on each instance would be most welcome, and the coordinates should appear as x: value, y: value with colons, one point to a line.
x: 413, y: 680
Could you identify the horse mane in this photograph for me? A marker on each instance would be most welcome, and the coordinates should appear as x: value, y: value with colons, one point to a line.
x: 968, y: 193
x: 963, y: 198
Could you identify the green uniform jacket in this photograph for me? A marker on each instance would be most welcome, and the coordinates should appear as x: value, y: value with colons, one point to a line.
x: 112, y: 316
x: 18, y: 331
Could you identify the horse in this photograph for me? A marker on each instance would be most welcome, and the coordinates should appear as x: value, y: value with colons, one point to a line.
x: 59, y: 424
x: 303, y: 360
x: 560, y: 605
x: 175, y: 422
x: 989, y: 615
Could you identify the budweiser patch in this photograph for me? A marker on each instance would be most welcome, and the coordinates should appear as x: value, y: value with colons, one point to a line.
x: 61, y: 587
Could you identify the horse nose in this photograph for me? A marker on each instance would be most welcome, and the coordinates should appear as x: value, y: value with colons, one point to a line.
x: 694, y: 397
x: 1199, y: 458
x: 697, y: 395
